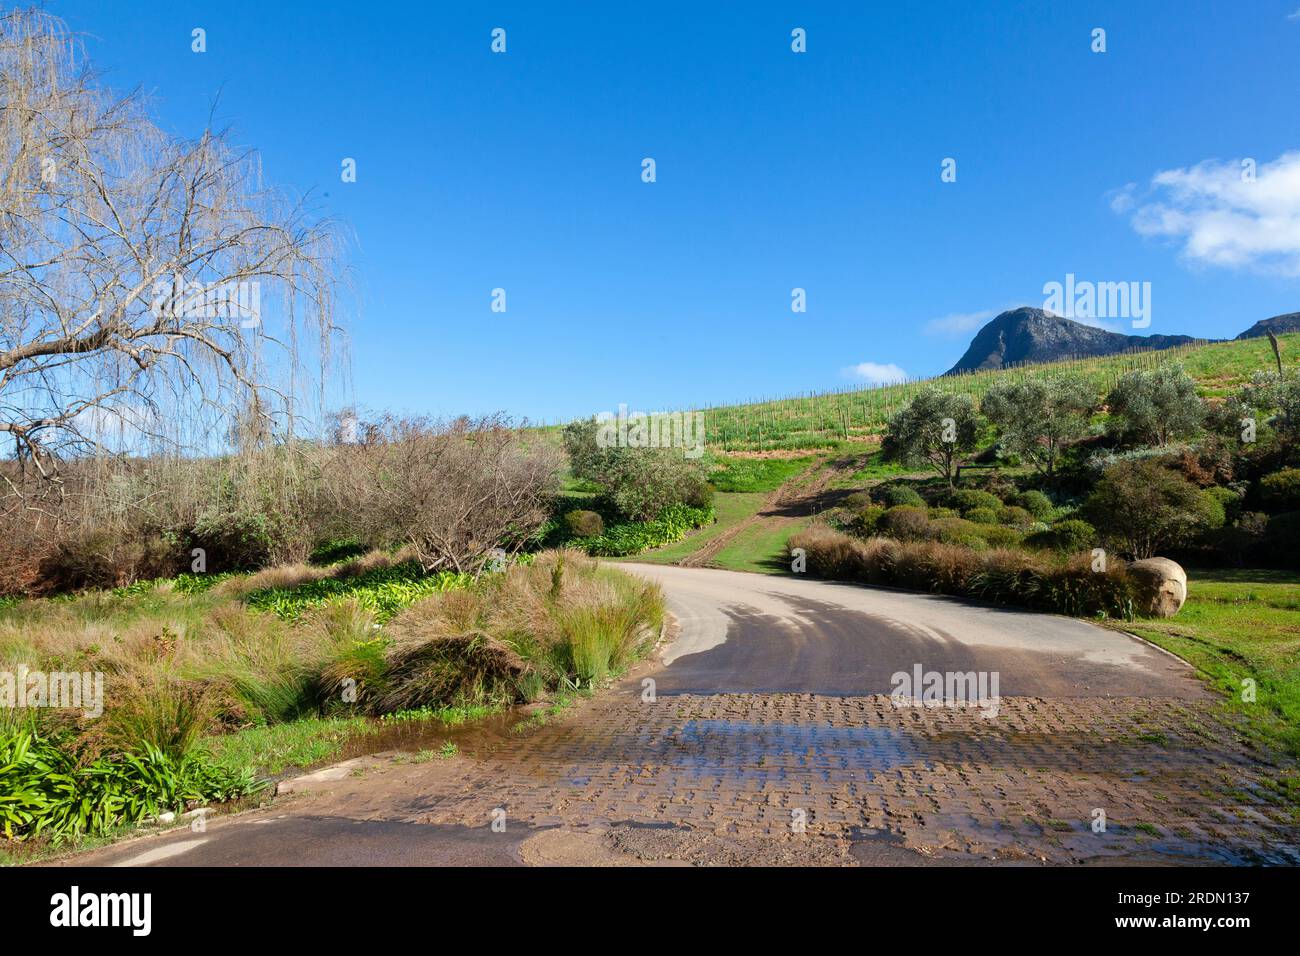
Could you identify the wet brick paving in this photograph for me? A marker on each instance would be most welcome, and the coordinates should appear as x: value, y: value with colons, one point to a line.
x: 1174, y: 778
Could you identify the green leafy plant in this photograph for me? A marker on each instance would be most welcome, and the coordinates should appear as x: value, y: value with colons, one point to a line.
x: 384, y: 591
x: 44, y: 790
x: 673, y: 524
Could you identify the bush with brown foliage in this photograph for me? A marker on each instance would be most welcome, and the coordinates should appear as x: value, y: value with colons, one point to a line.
x: 1003, y: 576
x: 453, y: 492
x: 100, y: 559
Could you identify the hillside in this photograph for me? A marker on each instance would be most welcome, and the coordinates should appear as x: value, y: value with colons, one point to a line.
x: 1278, y: 325
x: 1032, y: 335
x: 830, y: 419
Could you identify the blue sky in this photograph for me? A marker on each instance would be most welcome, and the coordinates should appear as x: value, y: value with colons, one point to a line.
x: 775, y: 170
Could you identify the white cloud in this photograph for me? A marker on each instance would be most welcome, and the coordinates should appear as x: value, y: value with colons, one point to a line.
x: 874, y: 373
x: 1294, y: 16
x: 1222, y: 216
x: 958, y: 323
x: 1122, y: 200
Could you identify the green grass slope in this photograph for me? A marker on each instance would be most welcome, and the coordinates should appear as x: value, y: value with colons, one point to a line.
x: 832, y: 419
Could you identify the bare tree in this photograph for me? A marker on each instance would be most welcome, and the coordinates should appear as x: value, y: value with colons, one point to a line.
x: 141, y: 275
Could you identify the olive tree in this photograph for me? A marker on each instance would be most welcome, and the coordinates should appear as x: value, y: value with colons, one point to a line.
x: 1038, y: 418
x: 1278, y: 393
x: 639, y: 482
x: 935, y: 429
x: 1155, y: 407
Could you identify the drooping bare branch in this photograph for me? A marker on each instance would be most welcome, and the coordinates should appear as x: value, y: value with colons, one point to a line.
x: 145, y: 280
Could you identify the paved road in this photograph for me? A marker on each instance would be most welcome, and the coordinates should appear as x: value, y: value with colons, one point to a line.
x: 752, y: 633
x: 770, y: 704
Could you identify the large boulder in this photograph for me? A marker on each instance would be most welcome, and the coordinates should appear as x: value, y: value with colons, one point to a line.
x: 1161, y: 586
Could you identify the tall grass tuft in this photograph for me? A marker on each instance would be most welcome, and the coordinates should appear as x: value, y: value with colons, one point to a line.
x: 1046, y: 582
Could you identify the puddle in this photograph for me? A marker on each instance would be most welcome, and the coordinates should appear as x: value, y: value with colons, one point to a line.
x: 965, y: 796
x: 728, y: 743
x: 474, y: 738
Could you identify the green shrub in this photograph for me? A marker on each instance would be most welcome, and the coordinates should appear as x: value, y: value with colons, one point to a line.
x: 947, y: 528
x: 1070, y: 536
x: 904, y: 522
x: 584, y: 524
x: 1229, y: 500
x: 959, y: 531
x: 640, y: 482
x: 998, y: 536
x: 1141, y: 508
x: 894, y: 495
x: 1035, y: 502
x: 234, y: 541
x: 673, y: 524
x: 1281, y: 490
x: 965, y: 499
x: 1014, y: 516
x: 1074, y: 534
x: 982, y: 515
x: 867, y: 520
x: 937, y: 513
x: 1213, y: 512
x: 856, y: 501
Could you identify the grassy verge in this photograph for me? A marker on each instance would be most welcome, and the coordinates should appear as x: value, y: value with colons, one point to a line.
x: 203, y: 690
x: 731, y: 509
x: 272, y: 749
x: 760, y: 548
x: 755, y: 474
x: 1240, y: 625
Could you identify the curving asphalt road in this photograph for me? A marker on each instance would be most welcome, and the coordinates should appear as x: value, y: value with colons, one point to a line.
x: 757, y: 633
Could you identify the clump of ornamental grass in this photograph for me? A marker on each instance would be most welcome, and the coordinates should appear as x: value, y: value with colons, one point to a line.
x: 561, y: 620
x: 286, y: 577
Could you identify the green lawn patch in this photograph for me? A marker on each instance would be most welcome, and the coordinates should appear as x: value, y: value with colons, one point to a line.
x: 755, y: 474
x: 1240, y: 625
x: 274, y: 748
x: 760, y: 548
x: 731, y: 508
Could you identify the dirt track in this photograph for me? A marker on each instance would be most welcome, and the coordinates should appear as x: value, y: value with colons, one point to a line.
x: 801, y: 496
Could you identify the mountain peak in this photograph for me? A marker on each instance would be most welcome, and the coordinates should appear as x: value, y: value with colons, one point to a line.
x: 1032, y: 335
x: 1278, y: 325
